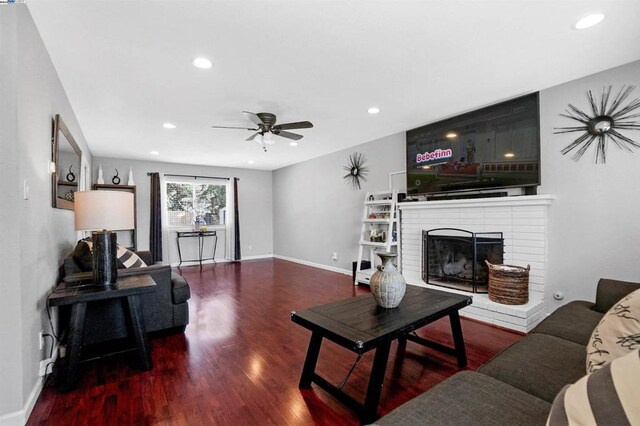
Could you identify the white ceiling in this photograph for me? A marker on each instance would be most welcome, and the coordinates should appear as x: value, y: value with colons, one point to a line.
x: 126, y: 67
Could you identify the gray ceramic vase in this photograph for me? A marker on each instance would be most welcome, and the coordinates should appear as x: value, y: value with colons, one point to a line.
x: 387, y: 283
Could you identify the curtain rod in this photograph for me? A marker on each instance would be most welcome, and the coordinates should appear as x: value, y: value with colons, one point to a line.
x: 195, y: 177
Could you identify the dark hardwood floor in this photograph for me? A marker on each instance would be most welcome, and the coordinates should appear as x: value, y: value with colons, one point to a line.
x: 240, y: 359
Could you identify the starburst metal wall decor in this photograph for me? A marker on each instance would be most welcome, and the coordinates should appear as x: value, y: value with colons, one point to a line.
x: 603, y: 125
x: 357, y: 170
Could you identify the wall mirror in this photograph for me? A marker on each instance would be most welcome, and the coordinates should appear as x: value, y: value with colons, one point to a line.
x: 66, y: 155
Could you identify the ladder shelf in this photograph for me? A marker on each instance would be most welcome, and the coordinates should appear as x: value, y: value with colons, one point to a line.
x: 378, y: 232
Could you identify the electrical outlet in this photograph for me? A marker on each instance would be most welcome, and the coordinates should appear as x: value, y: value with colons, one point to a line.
x: 334, y: 255
x: 41, y: 339
x: 250, y: 247
x: 26, y: 190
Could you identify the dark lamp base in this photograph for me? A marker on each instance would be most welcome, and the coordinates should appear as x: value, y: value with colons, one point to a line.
x: 105, y: 264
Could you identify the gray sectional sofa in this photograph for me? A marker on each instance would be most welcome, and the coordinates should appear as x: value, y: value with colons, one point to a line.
x: 166, y: 309
x: 517, y: 386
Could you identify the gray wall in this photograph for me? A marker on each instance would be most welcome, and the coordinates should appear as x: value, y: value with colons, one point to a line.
x: 254, y: 191
x: 10, y: 331
x: 594, y: 222
x: 316, y: 213
x: 36, y: 235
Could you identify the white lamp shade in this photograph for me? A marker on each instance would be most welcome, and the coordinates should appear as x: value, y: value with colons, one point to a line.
x: 98, y: 210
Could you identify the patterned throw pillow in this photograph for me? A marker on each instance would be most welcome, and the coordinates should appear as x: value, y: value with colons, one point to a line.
x: 617, y: 333
x: 128, y: 259
x: 609, y: 396
x: 83, y: 256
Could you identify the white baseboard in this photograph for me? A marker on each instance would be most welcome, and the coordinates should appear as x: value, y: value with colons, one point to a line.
x: 314, y: 265
x: 206, y: 262
x: 19, y: 418
x: 259, y: 256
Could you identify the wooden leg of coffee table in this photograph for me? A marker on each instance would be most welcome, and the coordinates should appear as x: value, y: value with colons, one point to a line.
x: 458, y: 340
x: 311, y: 360
x: 369, y: 411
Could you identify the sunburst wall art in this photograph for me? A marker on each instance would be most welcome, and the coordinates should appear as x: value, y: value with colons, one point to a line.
x: 357, y: 170
x: 604, y: 124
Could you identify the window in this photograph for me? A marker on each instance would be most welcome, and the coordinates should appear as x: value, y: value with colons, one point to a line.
x: 188, y: 202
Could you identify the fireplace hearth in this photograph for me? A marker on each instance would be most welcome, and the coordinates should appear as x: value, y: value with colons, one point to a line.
x: 455, y: 258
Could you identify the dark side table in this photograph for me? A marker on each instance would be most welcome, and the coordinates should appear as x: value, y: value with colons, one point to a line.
x: 360, y: 325
x: 81, y: 297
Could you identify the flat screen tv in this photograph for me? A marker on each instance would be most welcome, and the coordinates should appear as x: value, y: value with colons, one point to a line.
x: 490, y: 148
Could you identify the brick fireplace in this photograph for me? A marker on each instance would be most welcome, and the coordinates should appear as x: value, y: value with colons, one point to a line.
x: 522, y: 221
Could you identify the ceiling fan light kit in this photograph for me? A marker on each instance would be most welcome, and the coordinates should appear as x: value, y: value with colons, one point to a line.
x: 266, y: 127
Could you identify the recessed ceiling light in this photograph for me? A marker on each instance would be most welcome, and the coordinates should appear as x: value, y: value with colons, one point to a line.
x: 509, y: 155
x: 155, y: 153
x: 373, y: 110
x: 169, y: 126
x: 451, y: 135
x: 589, y: 21
x: 202, y: 63
x: 293, y: 143
x: 250, y: 161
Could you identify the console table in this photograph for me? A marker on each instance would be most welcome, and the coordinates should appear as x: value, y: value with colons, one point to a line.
x: 80, y: 298
x: 200, y: 235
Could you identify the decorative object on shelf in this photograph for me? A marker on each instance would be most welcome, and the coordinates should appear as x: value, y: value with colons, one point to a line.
x: 603, y: 125
x: 377, y: 236
x: 100, y: 176
x: 116, y: 179
x: 508, y: 284
x: 70, y: 176
x: 130, y: 181
x: 387, y: 283
x: 371, y: 198
x: 357, y: 170
x: 199, y: 222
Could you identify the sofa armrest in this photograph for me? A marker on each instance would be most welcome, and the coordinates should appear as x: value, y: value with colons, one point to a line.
x: 610, y: 291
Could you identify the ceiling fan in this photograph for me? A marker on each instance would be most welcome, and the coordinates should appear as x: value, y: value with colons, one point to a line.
x: 266, y: 123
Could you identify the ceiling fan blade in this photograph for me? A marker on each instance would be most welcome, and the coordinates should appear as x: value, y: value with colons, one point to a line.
x: 288, y: 135
x: 252, y: 137
x: 296, y: 125
x: 227, y: 127
x: 254, y: 118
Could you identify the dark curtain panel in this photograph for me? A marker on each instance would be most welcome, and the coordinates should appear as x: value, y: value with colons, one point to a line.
x: 236, y: 222
x: 155, y: 230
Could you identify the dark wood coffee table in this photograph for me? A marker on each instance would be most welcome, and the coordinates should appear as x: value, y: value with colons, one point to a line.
x: 360, y: 325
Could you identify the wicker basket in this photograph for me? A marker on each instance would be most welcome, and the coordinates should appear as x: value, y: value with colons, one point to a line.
x: 508, y: 284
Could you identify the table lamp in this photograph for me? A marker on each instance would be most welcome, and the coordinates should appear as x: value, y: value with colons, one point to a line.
x: 103, y: 212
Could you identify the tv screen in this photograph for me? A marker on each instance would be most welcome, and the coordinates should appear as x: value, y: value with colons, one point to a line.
x: 493, y: 147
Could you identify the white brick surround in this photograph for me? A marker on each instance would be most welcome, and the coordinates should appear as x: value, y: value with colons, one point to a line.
x: 522, y: 220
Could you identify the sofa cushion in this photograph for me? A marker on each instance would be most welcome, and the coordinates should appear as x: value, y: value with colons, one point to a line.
x: 574, y: 321
x: 617, y: 334
x: 610, y: 396
x: 538, y: 364
x: 180, y: 291
x: 469, y: 398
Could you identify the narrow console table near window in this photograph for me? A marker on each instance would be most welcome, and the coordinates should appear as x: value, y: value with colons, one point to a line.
x: 81, y: 298
x: 200, y: 235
